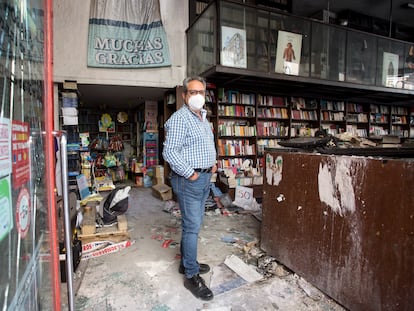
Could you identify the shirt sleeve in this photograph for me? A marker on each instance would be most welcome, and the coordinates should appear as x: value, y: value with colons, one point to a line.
x: 173, y: 145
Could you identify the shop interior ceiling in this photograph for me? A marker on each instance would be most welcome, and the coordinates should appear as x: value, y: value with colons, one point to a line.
x: 131, y: 97
x: 117, y: 97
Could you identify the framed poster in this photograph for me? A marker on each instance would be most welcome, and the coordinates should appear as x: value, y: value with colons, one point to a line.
x: 233, y: 47
x: 389, y: 69
x: 289, y: 46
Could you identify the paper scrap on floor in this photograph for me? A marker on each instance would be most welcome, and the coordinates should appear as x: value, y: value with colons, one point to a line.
x: 100, y: 248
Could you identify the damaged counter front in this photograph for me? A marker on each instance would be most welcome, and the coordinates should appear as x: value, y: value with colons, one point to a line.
x: 345, y: 224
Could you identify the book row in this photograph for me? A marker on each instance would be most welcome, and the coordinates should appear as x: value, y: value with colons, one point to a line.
x: 237, y: 111
x: 332, y: 105
x: 304, y: 114
x: 236, y: 130
x: 235, y: 147
x: 272, y: 129
x: 280, y: 113
x: 332, y: 116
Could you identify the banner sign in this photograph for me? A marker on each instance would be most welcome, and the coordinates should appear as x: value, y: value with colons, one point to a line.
x: 6, y: 217
x: 100, y: 248
x: 20, y: 153
x: 5, y: 150
x: 127, y: 34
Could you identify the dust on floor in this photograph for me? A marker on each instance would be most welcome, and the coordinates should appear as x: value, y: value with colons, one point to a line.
x: 144, y: 276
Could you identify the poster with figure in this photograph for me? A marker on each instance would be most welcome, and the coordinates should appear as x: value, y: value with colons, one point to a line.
x: 390, y: 69
x: 289, y: 46
x: 233, y: 47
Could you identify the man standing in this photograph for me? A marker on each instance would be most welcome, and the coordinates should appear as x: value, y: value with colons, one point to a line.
x: 190, y: 151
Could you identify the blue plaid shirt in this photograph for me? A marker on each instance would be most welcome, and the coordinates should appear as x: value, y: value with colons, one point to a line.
x: 189, y: 142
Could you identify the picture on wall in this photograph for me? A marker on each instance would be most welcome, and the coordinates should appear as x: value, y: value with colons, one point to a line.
x: 289, y: 46
x: 389, y: 69
x: 233, y: 47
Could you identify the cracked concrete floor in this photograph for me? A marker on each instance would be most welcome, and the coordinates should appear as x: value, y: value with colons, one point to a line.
x: 145, y: 275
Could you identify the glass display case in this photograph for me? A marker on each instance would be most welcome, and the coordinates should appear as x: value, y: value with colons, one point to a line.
x: 361, y: 58
x: 201, y: 42
x: 328, y: 52
x: 390, y: 63
x: 275, y: 43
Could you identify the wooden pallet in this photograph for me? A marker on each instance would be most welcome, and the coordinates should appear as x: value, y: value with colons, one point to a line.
x: 114, y: 233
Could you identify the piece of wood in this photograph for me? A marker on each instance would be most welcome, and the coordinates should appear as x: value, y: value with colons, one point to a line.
x: 89, y: 220
x: 115, y: 233
x: 105, y: 234
x: 242, y: 269
x: 122, y: 223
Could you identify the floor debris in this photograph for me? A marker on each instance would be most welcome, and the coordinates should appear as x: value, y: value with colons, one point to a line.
x: 241, y: 268
x: 145, y: 275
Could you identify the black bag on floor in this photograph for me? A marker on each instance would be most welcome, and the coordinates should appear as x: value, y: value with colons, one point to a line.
x: 110, y: 213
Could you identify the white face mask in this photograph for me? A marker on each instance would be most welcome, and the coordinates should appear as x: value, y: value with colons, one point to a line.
x: 196, y: 102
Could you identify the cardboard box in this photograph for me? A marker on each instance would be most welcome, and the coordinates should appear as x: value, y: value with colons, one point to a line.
x: 158, y: 180
x: 158, y: 171
x: 162, y: 191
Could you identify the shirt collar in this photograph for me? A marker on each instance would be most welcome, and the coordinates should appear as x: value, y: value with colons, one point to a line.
x: 202, y: 111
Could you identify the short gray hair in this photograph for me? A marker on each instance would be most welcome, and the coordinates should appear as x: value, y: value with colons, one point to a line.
x: 189, y: 79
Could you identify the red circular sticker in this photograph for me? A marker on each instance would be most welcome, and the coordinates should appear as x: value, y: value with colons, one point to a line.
x: 23, y: 212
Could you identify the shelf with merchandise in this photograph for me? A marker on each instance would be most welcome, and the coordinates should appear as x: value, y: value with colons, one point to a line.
x: 357, y: 119
x: 236, y: 147
x: 274, y: 118
x: 272, y: 129
x: 356, y: 113
x: 235, y: 128
x: 379, y: 120
x: 304, y: 109
x: 236, y: 110
x: 304, y: 117
x: 379, y: 114
x: 400, y: 121
x: 332, y: 116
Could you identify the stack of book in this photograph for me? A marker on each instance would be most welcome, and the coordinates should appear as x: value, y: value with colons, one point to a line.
x: 390, y: 141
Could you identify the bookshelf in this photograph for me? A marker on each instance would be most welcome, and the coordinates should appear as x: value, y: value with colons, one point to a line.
x: 357, y: 119
x: 400, y: 121
x: 236, y: 139
x: 273, y: 115
x: 332, y: 116
x: 305, y: 119
x: 248, y: 122
x: 379, y: 120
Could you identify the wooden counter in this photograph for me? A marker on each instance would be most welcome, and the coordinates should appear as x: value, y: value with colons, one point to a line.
x: 345, y: 224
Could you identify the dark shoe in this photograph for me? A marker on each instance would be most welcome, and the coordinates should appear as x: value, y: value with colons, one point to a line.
x: 204, y: 268
x: 198, y: 288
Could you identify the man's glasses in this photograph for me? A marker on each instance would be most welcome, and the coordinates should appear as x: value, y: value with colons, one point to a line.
x: 195, y: 92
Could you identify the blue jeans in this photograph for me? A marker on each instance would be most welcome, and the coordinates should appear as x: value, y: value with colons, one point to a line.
x: 191, y: 195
